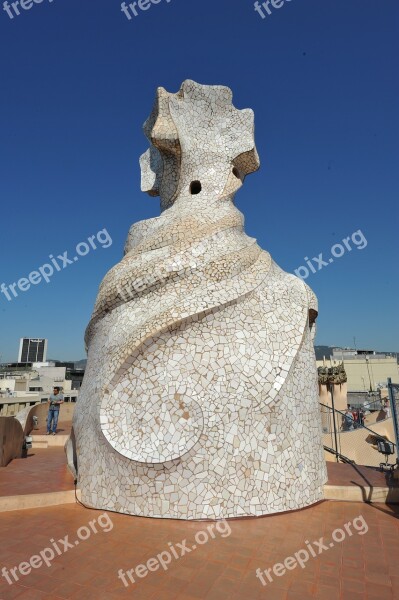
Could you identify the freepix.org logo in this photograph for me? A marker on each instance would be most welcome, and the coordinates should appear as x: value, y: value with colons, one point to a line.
x: 13, y: 9
x: 132, y: 9
x: 174, y: 552
x: 56, y: 548
x: 357, y: 239
x: 56, y: 264
x: 265, y: 8
x: 313, y: 549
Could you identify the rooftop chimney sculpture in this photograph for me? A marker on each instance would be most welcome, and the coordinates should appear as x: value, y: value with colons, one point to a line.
x: 200, y: 398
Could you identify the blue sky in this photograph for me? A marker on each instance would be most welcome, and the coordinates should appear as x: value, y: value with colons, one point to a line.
x: 78, y: 80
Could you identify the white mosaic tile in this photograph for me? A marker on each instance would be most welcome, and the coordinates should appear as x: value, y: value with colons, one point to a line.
x: 200, y: 397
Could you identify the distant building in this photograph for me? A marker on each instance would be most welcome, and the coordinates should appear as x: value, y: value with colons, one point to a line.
x: 32, y: 350
x: 26, y: 386
x: 76, y: 378
x: 366, y: 370
x: 67, y: 365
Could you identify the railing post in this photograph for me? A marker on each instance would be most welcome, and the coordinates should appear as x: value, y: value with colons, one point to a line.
x: 331, y: 386
x: 394, y: 413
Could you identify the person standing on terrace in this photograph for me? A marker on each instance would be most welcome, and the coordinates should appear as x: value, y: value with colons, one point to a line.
x: 55, y: 401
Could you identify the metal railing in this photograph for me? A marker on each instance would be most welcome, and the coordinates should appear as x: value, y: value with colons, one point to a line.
x: 393, y: 390
x: 351, y: 441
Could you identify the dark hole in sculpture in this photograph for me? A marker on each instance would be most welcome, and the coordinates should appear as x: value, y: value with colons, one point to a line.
x: 312, y: 316
x: 195, y: 187
x: 236, y: 172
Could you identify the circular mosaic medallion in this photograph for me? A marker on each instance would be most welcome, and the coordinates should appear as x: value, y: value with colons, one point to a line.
x: 150, y: 428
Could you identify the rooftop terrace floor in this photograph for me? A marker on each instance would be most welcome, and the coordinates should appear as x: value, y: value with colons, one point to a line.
x: 358, y: 475
x: 360, y: 566
x: 43, y: 470
x: 363, y: 565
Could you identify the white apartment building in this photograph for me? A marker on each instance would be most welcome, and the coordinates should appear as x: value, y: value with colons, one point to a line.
x: 21, y: 387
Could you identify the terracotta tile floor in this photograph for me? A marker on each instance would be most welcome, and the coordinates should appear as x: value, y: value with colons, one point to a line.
x: 43, y: 470
x: 344, y: 474
x: 361, y: 566
x: 30, y: 475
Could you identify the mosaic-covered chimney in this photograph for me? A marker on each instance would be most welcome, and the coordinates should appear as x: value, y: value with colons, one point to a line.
x: 200, y: 398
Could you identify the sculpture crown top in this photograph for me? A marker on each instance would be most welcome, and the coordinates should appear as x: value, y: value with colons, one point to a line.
x: 200, y: 144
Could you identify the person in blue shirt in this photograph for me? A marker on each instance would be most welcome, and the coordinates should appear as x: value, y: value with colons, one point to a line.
x: 55, y: 401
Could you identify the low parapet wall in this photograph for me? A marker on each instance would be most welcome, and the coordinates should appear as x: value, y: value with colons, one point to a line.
x: 14, y: 429
x: 11, y: 440
x: 25, y: 417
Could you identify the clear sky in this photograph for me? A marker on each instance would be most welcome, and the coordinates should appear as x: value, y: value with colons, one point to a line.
x: 78, y: 79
